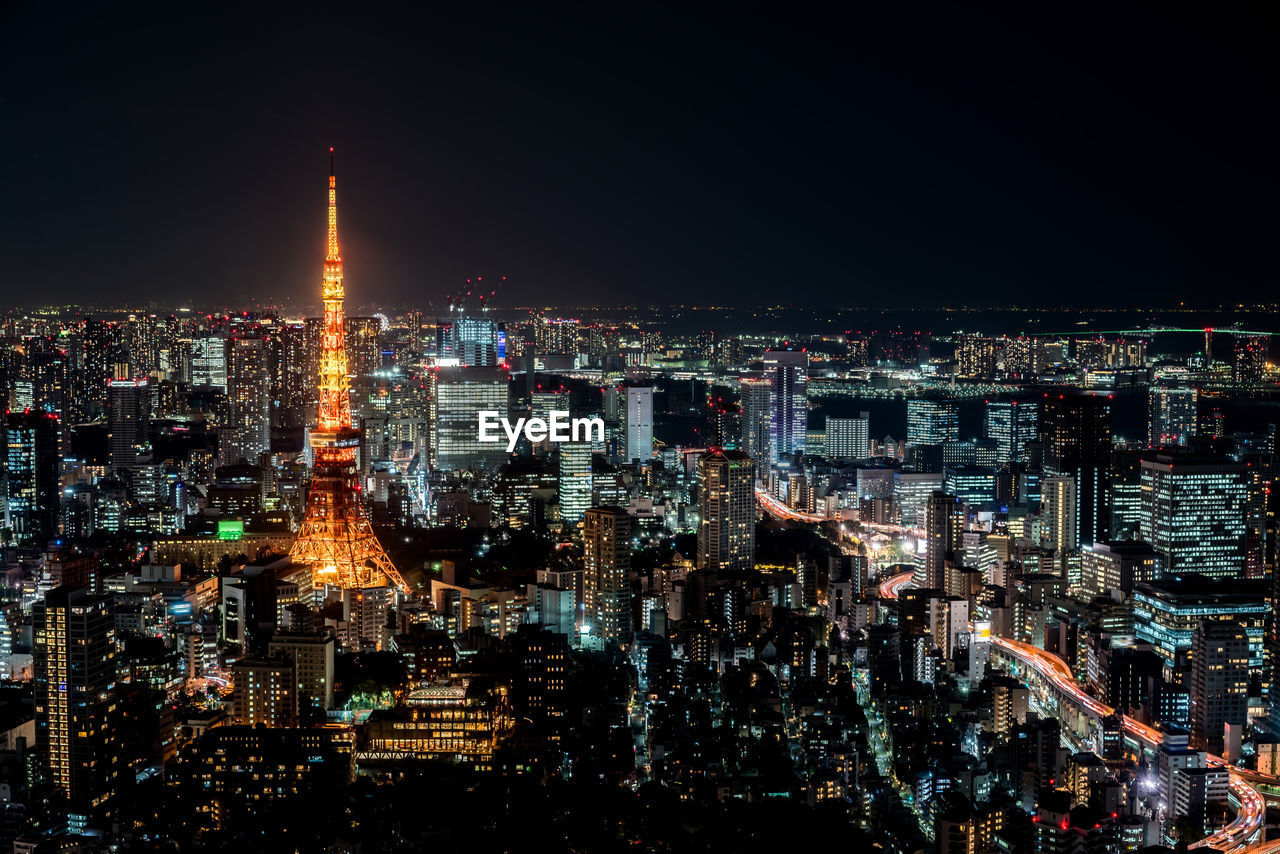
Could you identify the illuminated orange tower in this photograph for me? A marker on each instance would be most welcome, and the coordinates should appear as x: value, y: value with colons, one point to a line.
x: 336, y: 536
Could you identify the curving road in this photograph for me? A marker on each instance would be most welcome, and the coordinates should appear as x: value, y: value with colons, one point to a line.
x: 1253, y: 808
x: 890, y: 587
x: 779, y: 510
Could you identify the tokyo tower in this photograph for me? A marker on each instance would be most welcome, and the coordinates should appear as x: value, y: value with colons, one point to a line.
x: 336, y: 537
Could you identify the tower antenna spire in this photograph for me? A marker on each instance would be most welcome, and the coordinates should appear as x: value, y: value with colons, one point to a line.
x: 336, y: 536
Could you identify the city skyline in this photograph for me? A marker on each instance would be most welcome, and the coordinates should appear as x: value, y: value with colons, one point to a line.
x: 704, y: 430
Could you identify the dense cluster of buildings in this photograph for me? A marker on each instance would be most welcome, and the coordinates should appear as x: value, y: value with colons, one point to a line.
x: 1008, y: 630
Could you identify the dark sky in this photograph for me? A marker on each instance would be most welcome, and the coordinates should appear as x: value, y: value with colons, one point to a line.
x: 640, y: 153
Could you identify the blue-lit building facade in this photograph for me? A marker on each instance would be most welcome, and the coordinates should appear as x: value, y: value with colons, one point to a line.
x: 787, y: 372
x: 1194, y: 515
x: 1166, y: 614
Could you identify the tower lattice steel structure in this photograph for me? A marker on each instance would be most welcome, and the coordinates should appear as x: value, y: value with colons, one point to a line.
x: 336, y: 537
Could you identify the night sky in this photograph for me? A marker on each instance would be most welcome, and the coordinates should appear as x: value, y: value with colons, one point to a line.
x: 640, y: 153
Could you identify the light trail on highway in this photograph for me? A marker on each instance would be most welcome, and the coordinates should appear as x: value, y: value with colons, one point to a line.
x: 1234, y: 837
x: 891, y: 586
x: 776, y: 508
x: 779, y: 510
x: 1253, y: 807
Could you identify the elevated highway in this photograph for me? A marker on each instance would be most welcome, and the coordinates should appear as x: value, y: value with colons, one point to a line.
x: 1082, y: 714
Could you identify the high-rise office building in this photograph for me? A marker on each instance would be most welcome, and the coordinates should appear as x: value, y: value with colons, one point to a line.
x: 575, y: 480
x: 469, y: 341
x: 30, y: 476
x: 46, y: 367
x: 248, y: 398
x: 639, y: 424
x: 788, y: 375
x: 74, y: 669
x: 1058, y: 528
x: 457, y: 396
x: 849, y: 438
x: 289, y: 375
x: 1076, y: 431
x: 1116, y: 565
x: 543, y: 402
x: 1171, y: 415
x: 1194, y: 514
x: 944, y: 535
x: 364, y: 347
x: 1012, y: 424
x: 756, y: 418
x: 727, y: 510
x: 606, y: 539
x: 209, y: 362
x: 128, y: 419
x: 910, y: 492
x: 932, y: 422
x: 613, y: 403
x: 1125, y: 482
x: 975, y: 486
x: 1219, y: 682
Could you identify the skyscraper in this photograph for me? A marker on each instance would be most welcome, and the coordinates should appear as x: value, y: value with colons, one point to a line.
x: 639, y: 424
x: 128, y: 419
x: 910, y: 492
x: 336, y: 538
x: 74, y: 670
x: 1011, y: 424
x: 606, y: 539
x: 1194, y: 515
x: 574, y: 480
x: 788, y: 375
x: 1219, y: 682
x: 1058, y: 513
x: 30, y: 476
x: 944, y: 535
x: 457, y: 397
x: 542, y: 403
x: 932, y: 422
x: 468, y: 341
x: 46, y: 367
x: 1116, y: 566
x: 1171, y: 415
x: 364, y: 346
x: 727, y: 510
x: 756, y: 418
x: 209, y: 362
x: 249, y: 399
x: 849, y: 438
x: 1076, y: 431
x: 289, y: 383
